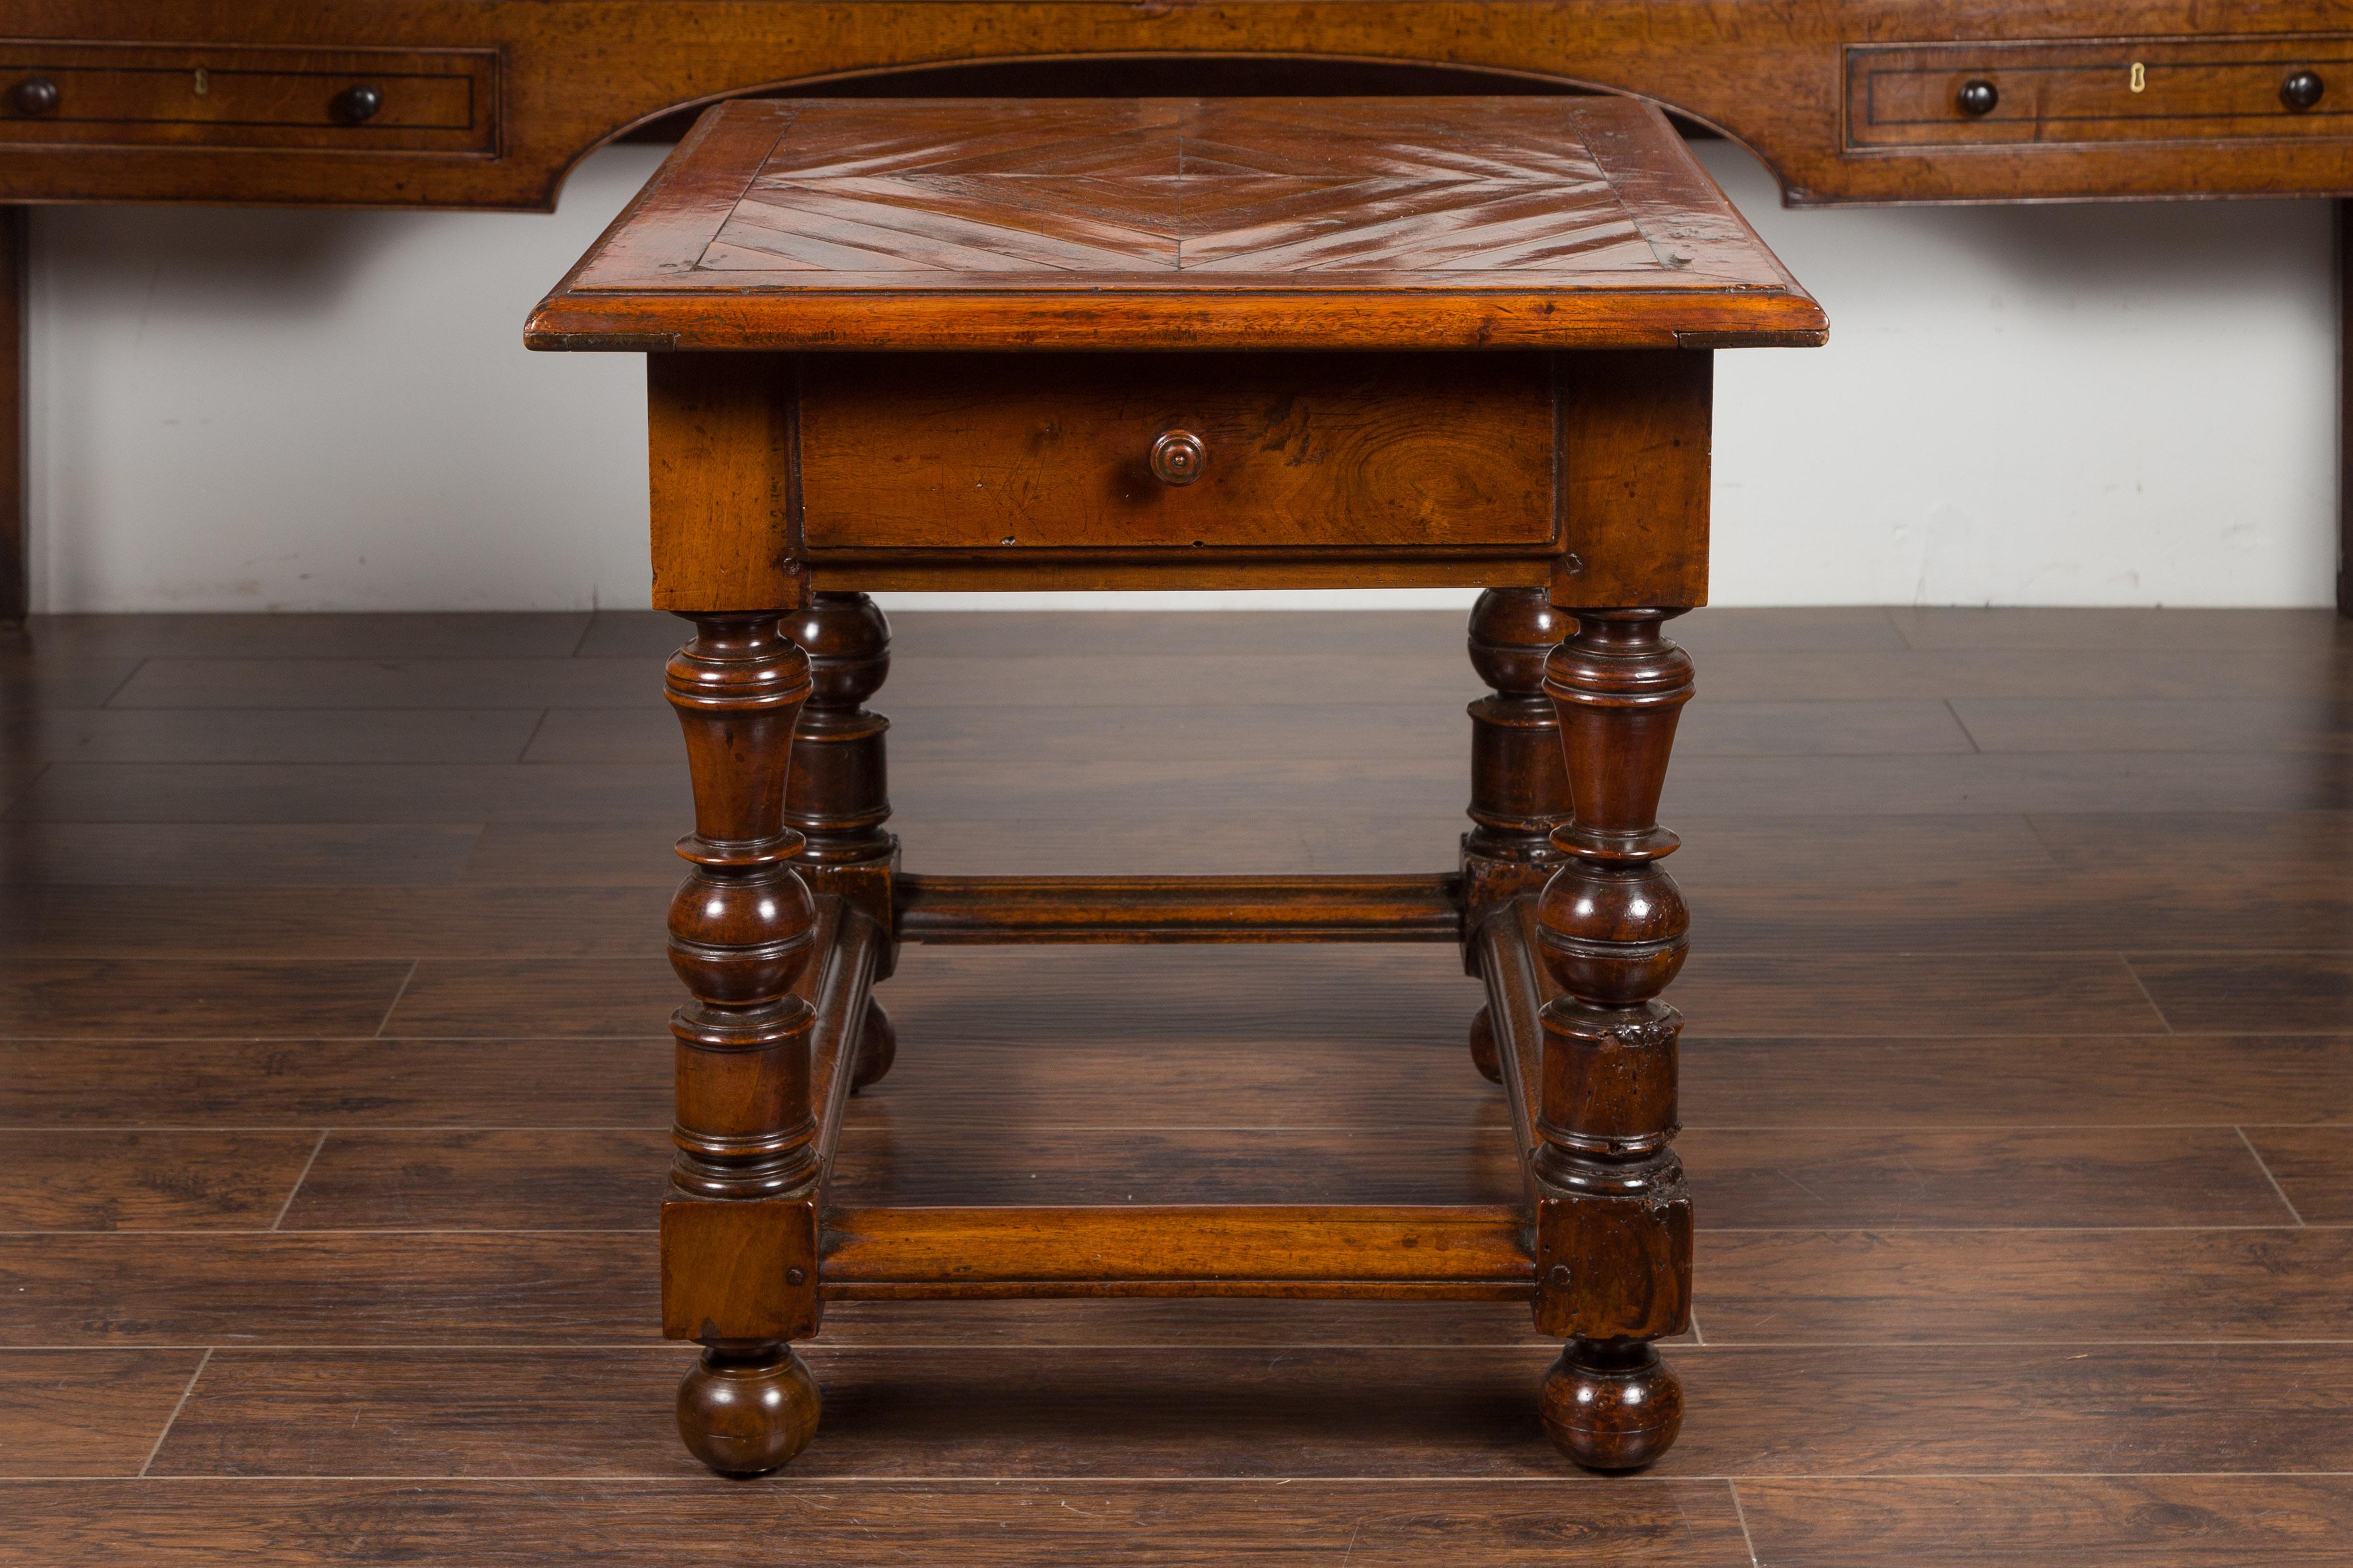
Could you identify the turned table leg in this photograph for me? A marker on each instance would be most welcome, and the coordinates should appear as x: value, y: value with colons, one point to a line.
x: 839, y: 794
x: 1519, y: 789
x: 742, y: 929
x: 1614, y: 1230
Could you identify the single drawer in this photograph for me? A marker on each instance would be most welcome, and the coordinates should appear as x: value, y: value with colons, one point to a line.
x: 2128, y: 89
x: 143, y: 95
x: 1445, y: 453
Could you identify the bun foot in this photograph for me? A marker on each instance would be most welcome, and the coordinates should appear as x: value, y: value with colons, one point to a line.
x: 746, y: 1415
x: 878, y: 1047
x: 1611, y: 1406
x: 1483, y: 1048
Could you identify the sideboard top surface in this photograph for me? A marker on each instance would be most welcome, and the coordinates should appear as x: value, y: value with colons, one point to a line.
x: 1176, y: 223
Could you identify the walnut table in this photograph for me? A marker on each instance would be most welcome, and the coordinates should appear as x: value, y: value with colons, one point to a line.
x: 1151, y: 343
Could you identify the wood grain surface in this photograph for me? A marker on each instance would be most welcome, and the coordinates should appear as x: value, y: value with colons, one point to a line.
x: 1038, y: 452
x: 1131, y: 223
x: 2017, y: 1128
x: 1109, y: 1411
x: 554, y: 79
x: 991, y: 1524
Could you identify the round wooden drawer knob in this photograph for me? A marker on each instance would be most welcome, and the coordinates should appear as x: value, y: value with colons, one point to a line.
x: 35, y: 95
x: 358, y: 103
x: 1179, y: 457
x: 1979, y: 97
x: 2301, y: 90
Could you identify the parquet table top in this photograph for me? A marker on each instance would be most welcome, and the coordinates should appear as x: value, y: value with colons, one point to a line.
x: 1166, y: 222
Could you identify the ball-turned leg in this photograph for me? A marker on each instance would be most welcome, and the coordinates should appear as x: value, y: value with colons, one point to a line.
x: 1483, y: 1054
x: 738, y: 1236
x: 1519, y: 788
x: 744, y: 1412
x: 1614, y: 1226
x: 1611, y: 1406
x: 878, y: 1047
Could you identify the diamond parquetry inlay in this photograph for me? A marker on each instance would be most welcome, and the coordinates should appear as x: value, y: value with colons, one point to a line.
x: 1237, y: 186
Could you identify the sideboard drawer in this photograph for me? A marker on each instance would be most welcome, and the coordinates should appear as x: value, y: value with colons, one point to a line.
x: 1945, y: 95
x: 143, y: 95
x: 999, y: 454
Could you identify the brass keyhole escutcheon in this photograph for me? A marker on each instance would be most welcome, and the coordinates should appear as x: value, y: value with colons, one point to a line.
x: 2139, y: 77
x: 1179, y: 457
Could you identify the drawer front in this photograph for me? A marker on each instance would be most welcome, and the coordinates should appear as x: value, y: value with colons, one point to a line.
x: 1044, y: 453
x: 139, y: 95
x: 2127, y: 89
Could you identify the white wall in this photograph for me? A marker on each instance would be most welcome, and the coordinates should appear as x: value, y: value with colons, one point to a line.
x: 2116, y: 403
x: 2113, y: 404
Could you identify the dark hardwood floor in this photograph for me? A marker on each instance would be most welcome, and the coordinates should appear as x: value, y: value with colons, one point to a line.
x: 333, y: 1098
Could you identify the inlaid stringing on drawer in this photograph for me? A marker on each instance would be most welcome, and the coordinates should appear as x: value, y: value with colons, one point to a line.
x: 229, y: 95
x: 2124, y: 89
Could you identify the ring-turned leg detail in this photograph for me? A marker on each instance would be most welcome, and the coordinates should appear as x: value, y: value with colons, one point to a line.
x: 745, y: 1410
x: 742, y: 923
x: 1519, y: 789
x: 1614, y: 1222
x: 738, y: 1228
x: 838, y: 795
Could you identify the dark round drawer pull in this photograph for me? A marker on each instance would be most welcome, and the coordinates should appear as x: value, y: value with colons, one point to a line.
x: 2301, y: 90
x: 1979, y: 97
x: 1179, y: 457
x: 33, y: 95
x: 358, y: 102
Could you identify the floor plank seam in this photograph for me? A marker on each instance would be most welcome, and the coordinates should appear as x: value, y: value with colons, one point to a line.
x: 202, y: 1362
x: 536, y: 726
x: 1963, y: 725
x: 137, y: 668
x: 301, y: 1176
x: 1740, y: 1512
x: 394, y: 1006
x: 2149, y: 996
x: 2264, y: 1166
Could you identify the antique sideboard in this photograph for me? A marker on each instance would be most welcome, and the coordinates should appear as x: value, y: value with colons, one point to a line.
x: 488, y: 104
